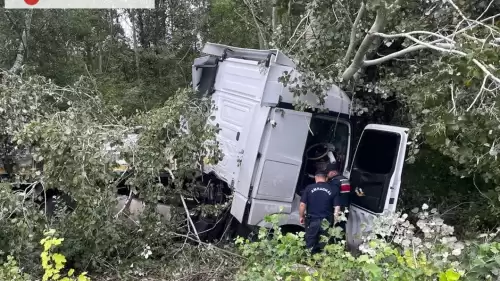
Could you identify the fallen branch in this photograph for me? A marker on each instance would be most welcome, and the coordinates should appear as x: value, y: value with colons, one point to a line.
x: 206, y: 244
x: 127, y: 204
x: 479, y: 93
x: 420, y: 42
x: 185, y: 208
x: 189, y: 218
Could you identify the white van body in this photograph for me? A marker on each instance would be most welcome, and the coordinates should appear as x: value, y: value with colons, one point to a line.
x: 264, y: 140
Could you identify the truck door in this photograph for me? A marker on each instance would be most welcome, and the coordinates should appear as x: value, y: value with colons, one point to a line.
x: 280, y: 163
x: 375, y: 177
x: 239, y: 86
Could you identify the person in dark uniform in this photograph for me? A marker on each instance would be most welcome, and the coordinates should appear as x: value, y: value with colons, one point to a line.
x: 337, y: 180
x: 319, y: 201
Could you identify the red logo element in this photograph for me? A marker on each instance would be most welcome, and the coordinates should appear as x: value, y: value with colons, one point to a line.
x: 31, y: 2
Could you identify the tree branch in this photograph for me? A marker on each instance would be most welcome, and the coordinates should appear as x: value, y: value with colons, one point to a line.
x: 420, y: 42
x: 442, y: 49
x: 436, y: 42
x: 262, y: 38
x: 479, y: 93
x: 357, y: 62
x: 207, y: 244
x: 297, y: 28
x: 394, y: 55
x: 185, y: 208
x: 354, y: 28
x: 189, y: 218
x: 126, y: 205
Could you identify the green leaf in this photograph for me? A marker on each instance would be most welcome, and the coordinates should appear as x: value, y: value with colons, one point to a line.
x: 373, y: 269
x: 449, y: 275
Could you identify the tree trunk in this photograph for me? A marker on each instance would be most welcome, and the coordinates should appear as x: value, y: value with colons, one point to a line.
x: 274, y: 16
x: 142, y: 36
x: 23, y: 45
x: 367, y: 42
x: 136, y: 50
x: 100, y: 58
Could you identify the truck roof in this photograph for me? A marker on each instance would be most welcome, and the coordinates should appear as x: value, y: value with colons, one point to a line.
x: 336, y: 100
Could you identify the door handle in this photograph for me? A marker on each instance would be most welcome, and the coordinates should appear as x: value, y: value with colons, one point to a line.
x: 238, y: 136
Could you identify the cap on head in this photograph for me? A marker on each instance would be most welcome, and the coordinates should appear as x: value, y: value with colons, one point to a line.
x: 320, y: 173
x: 332, y: 167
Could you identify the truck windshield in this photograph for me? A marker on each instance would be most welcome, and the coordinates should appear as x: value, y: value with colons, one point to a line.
x: 332, y: 131
x: 327, y: 133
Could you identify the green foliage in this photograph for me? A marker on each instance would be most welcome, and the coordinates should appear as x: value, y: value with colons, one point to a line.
x: 227, y: 20
x: 21, y: 219
x: 446, y: 98
x: 71, y: 142
x: 394, y: 250
x: 9, y: 270
x: 458, y: 200
x: 65, y: 121
x: 53, y: 262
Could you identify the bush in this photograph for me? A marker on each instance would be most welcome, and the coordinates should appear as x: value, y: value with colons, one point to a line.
x: 67, y: 133
x: 9, y: 270
x: 52, y: 263
x: 394, y: 250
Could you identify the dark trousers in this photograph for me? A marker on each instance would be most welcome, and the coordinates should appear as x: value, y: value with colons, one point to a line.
x: 313, y: 234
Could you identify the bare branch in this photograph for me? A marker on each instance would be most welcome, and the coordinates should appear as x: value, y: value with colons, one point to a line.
x: 262, y: 38
x: 298, y: 25
x: 469, y: 20
x: 126, y: 205
x: 454, y: 109
x: 486, y: 71
x: 207, y: 244
x: 441, y: 49
x: 428, y: 45
x: 437, y: 43
x: 185, y: 208
x: 301, y: 35
x: 352, y: 40
x: 478, y: 94
x: 485, y: 10
x: 189, y: 218
x: 394, y: 55
x: 483, y: 41
x: 357, y: 62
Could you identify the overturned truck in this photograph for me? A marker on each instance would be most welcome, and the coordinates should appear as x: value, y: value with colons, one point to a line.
x: 271, y: 150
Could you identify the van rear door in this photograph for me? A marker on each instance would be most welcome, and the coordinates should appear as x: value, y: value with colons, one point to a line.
x: 375, y: 177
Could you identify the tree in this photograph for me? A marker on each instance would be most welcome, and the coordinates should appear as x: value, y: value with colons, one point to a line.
x: 438, y: 60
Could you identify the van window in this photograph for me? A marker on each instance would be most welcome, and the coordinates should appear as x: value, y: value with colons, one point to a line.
x: 376, y: 152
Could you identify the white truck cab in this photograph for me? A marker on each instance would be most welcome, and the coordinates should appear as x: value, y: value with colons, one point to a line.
x: 270, y: 150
